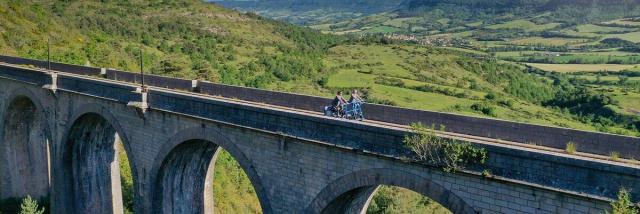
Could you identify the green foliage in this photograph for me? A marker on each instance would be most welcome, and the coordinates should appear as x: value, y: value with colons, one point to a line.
x: 506, y: 102
x: 485, y: 108
x: 389, y: 81
x: 487, y: 173
x: 624, y: 205
x: 30, y: 206
x: 191, y: 39
x: 233, y: 191
x: 571, y: 148
x: 392, y: 199
x: 490, y: 96
x: 14, y: 205
x: 451, y: 155
x: 615, y: 156
x: 518, y: 83
x: 375, y: 100
x: 594, y: 107
x: 126, y: 178
x: 578, y: 59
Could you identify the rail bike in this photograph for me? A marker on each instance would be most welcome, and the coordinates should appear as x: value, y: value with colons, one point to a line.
x: 351, y: 111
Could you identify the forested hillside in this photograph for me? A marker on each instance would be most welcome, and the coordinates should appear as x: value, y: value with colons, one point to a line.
x: 188, y: 39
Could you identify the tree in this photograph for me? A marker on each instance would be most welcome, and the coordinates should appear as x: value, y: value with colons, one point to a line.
x: 30, y: 206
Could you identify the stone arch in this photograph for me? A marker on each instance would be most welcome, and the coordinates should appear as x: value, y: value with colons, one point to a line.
x: 89, y: 161
x: 204, y: 142
x: 356, y: 189
x: 25, y: 143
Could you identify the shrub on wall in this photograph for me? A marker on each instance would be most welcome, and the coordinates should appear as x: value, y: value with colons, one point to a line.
x: 30, y: 206
x: 451, y: 155
x: 624, y: 205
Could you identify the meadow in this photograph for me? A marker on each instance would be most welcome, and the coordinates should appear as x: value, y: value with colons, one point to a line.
x: 523, y: 24
x: 594, y: 59
x: 452, y: 88
x: 568, y: 68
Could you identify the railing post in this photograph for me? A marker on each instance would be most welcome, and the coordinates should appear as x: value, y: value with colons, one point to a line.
x: 53, y: 87
x: 194, y: 86
x: 143, y: 105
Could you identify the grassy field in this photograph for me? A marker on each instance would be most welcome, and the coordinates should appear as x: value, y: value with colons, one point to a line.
x: 630, y: 102
x: 608, y: 78
x: 546, y: 41
x: 525, y: 25
x: 591, y: 28
x: 358, y: 66
x: 632, y: 36
x: 604, y: 53
x: 624, y: 22
x: 382, y: 29
x: 594, y: 59
x: 466, y: 50
x: 568, y: 68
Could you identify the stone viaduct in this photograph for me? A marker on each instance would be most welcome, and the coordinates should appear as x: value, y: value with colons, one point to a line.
x: 58, y: 132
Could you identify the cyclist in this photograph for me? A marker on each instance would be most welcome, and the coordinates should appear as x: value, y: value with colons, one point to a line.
x: 355, y: 97
x: 337, y: 103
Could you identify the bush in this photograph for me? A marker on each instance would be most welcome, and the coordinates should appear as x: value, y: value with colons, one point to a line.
x: 485, y: 108
x: 491, y: 96
x: 571, y: 148
x: 624, y: 205
x: 615, y: 156
x: 323, y: 81
x: 506, y: 103
x: 451, y: 155
x: 30, y: 206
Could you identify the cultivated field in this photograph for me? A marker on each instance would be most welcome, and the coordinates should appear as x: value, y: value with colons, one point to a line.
x: 568, y: 68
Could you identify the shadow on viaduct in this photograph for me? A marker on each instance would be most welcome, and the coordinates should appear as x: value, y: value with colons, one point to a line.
x: 62, y: 144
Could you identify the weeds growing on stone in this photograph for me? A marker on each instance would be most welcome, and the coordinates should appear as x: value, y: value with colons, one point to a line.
x: 624, y: 205
x: 571, y: 148
x: 615, y: 156
x: 451, y: 155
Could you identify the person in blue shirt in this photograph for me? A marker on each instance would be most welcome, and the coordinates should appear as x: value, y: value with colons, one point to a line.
x: 355, y: 97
